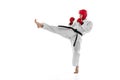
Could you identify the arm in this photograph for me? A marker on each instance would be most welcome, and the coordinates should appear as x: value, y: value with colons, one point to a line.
x: 87, y: 26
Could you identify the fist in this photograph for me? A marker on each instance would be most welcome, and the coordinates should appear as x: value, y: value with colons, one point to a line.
x: 80, y: 21
x: 71, y: 20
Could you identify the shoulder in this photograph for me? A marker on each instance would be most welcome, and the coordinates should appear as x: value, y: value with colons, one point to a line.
x: 87, y: 26
x: 87, y: 22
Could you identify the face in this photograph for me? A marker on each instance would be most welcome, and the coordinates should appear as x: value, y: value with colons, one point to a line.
x: 81, y: 16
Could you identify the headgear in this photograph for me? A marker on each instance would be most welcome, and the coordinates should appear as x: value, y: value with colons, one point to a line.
x: 84, y: 13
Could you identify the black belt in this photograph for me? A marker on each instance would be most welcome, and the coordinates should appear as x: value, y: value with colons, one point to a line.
x: 75, y: 30
x: 75, y: 40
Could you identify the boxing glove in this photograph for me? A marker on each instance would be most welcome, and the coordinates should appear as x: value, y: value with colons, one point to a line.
x: 71, y: 20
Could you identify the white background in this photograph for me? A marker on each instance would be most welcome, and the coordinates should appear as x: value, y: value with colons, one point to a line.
x: 28, y: 53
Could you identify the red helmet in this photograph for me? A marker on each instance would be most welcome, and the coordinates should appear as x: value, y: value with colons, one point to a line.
x: 84, y: 13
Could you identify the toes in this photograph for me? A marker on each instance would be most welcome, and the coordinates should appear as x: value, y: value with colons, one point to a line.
x: 35, y: 21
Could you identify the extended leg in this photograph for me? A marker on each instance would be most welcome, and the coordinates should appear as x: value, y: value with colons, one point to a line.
x: 67, y: 33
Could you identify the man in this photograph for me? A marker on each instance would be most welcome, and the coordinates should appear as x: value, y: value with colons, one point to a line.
x: 73, y: 32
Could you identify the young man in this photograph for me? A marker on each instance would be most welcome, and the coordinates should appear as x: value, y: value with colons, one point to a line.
x: 73, y: 32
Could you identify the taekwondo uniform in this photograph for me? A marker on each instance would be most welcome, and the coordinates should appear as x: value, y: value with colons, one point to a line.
x: 74, y: 33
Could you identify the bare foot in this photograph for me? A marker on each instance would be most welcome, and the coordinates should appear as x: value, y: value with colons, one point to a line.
x: 39, y: 25
x: 76, y: 70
